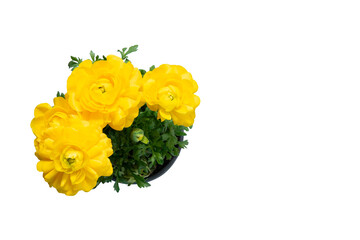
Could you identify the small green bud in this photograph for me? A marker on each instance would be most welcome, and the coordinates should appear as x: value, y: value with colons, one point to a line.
x: 145, y: 140
x: 137, y: 135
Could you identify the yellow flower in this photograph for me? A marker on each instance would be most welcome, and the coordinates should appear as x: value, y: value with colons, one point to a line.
x: 74, y: 156
x: 169, y: 89
x: 108, y: 89
x: 59, y: 115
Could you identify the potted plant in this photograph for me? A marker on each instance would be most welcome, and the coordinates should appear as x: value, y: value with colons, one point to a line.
x: 116, y: 123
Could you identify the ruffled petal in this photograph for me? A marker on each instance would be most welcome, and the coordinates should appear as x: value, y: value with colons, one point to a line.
x: 164, y: 115
x: 41, y: 109
x: 77, y: 177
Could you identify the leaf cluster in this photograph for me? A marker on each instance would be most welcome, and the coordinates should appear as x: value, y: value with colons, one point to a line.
x: 59, y: 94
x: 142, y: 71
x: 75, y: 61
x: 124, y: 53
x: 96, y: 58
x: 132, y: 161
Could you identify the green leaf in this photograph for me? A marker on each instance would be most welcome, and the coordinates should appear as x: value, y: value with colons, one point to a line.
x: 152, y: 67
x: 142, y: 71
x: 165, y: 136
x: 140, y: 181
x: 92, y: 55
x: 116, y: 186
x: 174, y: 151
x: 74, y: 63
x: 138, y: 152
x: 131, y: 49
x: 159, y: 158
x: 168, y: 156
x: 122, y: 54
x: 152, y: 125
x: 180, y: 133
x: 152, y: 161
x: 183, y: 144
x: 58, y: 94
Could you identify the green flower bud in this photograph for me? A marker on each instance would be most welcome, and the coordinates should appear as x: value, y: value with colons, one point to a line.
x: 137, y: 135
x: 145, y: 140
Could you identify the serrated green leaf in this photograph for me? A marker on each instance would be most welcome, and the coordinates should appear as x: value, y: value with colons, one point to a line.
x: 183, y: 144
x: 132, y: 49
x: 140, y: 181
x: 71, y: 64
x: 116, y: 186
x: 74, y: 63
x: 152, y: 67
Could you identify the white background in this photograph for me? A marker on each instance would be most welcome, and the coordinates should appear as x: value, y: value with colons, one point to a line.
x: 274, y: 152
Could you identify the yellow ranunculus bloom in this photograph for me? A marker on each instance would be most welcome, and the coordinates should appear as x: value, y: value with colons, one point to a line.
x: 47, y: 116
x: 169, y: 89
x: 108, y: 89
x: 59, y: 115
x: 74, y: 156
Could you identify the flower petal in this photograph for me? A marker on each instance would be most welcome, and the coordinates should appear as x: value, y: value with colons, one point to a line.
x: 45, y: 166
x: 118, y: 119
x: 164, y: 115
x: 41, y: 109
x: 77, y: 177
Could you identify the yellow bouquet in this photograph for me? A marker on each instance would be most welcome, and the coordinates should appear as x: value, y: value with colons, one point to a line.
x: 116, y: 123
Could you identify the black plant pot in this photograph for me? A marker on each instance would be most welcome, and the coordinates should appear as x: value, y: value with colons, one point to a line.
x: 161, y: 169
